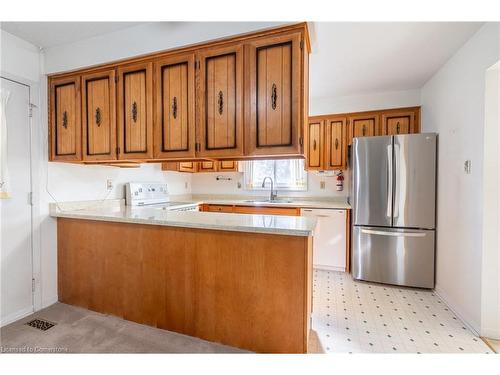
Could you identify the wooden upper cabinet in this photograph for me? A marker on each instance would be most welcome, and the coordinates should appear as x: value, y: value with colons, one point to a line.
x: 65, y: 119
x: 175, y: 107
x: 227, y: 166
x: 315, y: 146
x: 335, y: 143
x: 135, y: 111
x: 220, y: 98
x: 363, y: 125
x: 99, y: 123
x: 274, y: 83
x: 394, y: 123
x: 207, y: 166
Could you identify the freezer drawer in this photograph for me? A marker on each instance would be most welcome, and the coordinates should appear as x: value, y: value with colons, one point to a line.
x: 393, y: 256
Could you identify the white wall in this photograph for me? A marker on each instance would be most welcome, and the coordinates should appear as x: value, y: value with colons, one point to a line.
x: 19, y: 58
x: 453, y: 106
x: 141, y: 40
x: 490, y: 283
x: 364, y: 102
x: 206, y: 183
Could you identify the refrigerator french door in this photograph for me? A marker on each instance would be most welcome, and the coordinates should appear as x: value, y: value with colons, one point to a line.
x: 393, y: 199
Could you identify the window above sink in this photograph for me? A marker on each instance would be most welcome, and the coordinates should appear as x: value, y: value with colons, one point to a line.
x: 287, y: 174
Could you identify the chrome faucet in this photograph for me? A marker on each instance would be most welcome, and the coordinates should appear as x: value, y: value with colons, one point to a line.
x: 274, y: 194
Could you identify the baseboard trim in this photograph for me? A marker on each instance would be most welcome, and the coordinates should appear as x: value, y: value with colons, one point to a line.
x: 440, y: 293
x: 328, y: 268
x: 16, y: 316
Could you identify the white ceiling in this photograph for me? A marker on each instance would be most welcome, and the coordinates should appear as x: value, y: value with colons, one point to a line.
x: 50, y: 34
x: 359, y: 58
x: 348, y: 58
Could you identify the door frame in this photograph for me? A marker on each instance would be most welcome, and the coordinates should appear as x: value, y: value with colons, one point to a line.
x: 36, y: 155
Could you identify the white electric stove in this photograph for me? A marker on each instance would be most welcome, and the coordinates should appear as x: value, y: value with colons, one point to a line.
x: 154, y: 195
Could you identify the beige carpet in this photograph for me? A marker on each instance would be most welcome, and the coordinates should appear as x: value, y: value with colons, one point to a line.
x: 82, y: 331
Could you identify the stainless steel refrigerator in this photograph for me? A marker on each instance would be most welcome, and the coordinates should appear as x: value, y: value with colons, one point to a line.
x: 394, y: 200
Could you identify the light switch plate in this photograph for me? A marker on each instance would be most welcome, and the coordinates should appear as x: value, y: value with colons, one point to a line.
x: 322, y: 184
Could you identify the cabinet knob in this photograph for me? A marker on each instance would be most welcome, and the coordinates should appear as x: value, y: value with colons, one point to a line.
x: 397, y: 127
x: 65, y: 120
x: 220, y: 102
x: 174, y: 107
x: 274, y: 96
x: 98, y: 116
x: 134, y: 111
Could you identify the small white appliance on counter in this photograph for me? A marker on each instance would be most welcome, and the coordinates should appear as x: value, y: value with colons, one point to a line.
x: 154, y: 195
x: 329, y: 241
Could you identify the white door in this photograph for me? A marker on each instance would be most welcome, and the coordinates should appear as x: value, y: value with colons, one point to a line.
x: 16, y: 229
x: 329, y: 240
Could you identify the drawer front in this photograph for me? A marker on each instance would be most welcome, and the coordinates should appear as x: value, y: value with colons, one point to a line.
x: 287, y: 211
x: 219, y: 208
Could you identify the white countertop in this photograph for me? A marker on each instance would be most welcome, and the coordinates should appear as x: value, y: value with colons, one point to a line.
x: 338, y: 203
x: 272, y: 224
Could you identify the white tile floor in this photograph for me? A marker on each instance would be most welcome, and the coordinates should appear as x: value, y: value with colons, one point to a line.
x: 358, y: 317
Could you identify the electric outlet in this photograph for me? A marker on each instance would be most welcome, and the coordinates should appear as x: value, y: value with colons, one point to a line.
x: 109, y: 184
x: 185, y: 185
x: 322, y: 184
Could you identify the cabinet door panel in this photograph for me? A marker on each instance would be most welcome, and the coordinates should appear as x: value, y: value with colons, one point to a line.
x: 228, y: 166
x: 175, y: 107
x: 221, y: 110
x: 65, y: 119
x: 99, y: 116
x: 398, y: 123
x: 315, y: 151
x: 335, y: 143
x: 363, y: 126
x: 207, y: 166
x: 135, y: 98
x: 274, y: 80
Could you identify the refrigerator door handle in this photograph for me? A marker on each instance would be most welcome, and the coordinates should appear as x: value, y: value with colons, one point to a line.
x: 397, y: 179
x: 393, y: 234
x: 389, y: 181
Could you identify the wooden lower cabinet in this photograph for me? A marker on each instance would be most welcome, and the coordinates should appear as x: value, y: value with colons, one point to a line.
x: 248, y: 290
x: 258, y: 210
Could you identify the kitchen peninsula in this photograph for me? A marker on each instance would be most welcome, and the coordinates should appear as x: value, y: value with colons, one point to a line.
x: 238, y: 279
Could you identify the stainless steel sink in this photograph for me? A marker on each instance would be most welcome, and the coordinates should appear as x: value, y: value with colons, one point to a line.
x: 267, y: 201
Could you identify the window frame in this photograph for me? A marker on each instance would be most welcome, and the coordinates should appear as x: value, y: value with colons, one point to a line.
x: 250, y: 184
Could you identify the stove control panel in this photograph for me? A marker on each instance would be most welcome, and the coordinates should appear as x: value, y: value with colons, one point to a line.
x: 146, y: 193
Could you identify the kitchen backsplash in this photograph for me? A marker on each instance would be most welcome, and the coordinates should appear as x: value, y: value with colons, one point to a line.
x: 206, y: 183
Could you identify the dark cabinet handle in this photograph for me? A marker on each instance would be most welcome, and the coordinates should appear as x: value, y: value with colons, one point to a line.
x: 134, y: 111
x: 98, y: 116
x: 65, y: 120
x: 274, y: 96
x: 364, y: 130
x: 397, y: 127
x: 314, y: 145
x: 174, y: 107
x: 221, y: 102
x: 336, y: 143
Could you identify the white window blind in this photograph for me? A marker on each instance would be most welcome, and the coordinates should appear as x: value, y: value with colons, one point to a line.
x: 287, y: 174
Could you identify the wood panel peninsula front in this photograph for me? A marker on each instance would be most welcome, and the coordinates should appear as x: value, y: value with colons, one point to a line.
x: 241, y: 280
